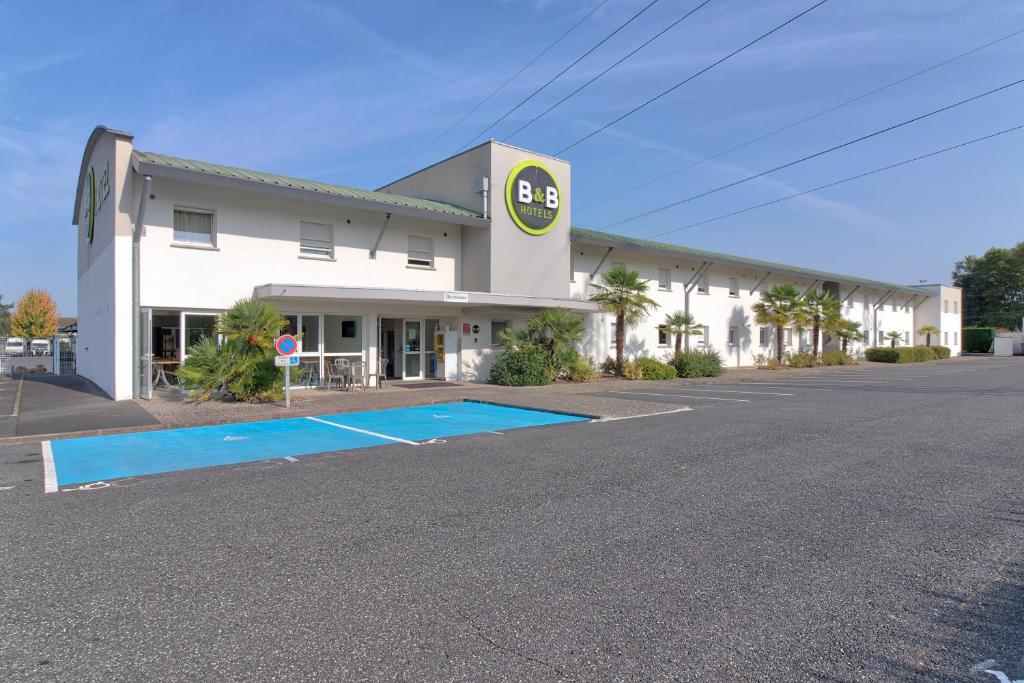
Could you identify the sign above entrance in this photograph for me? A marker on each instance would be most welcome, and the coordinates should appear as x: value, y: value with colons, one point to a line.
x: 456, y: 297
x: 533, y: 198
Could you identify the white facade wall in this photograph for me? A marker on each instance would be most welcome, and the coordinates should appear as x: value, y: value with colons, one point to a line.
x: 943, y: 309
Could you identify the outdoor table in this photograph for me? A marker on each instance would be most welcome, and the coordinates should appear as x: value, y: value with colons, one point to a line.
x: 160, y: 374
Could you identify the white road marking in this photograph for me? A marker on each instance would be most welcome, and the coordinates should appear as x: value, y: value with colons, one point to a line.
x: 736, y: 391
x: 49, y: 471
x: 802, y: 387
x: 703, y: 398
x: 235, y: 438
x: 290, y: 458
x: 364, y: 431
x: 684, y: 409
x: 844, y: 381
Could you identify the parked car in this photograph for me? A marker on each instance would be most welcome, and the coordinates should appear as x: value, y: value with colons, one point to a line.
x: 40, y: 347
x: 15, y: 346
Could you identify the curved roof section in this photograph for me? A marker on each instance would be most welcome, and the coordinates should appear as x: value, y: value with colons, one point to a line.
x: 608, y: 239
x: 272, y: 179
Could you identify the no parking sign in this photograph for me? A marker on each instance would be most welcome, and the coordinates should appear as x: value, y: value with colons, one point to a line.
x: 287, y: 345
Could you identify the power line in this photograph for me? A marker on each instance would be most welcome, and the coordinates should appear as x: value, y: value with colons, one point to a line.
x: 690, y: 78
x: 804, y: 120
x: 840, y: 182
x: 577, y: 90
x: 812, y: 156
x: 500, y: 87
x: 559, y: 74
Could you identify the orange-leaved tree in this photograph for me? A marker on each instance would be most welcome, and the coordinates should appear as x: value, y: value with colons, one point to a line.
x: 35, y: 317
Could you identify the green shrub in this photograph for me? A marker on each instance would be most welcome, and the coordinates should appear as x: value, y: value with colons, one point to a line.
x: 655, y: 369
x: 978, y: 339
x: 631, y: 370
x: 836, y: 358
x: 520, y: 367
x: 608, y: 366
x: 798, y: 360
x: 582, y: 370
x: 942, y: 352
x: 697, y: 363
x: 763, y: 362
x: 882, y: 354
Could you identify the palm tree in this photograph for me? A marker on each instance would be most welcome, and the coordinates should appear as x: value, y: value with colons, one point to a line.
x: 893, y: 337
x: 623, y: 294
x: 557, y: 330
x: 682, y: 325
x: 846, y: 330
x: 819, y: 305
x: 780, y: 308
x: 252, y: 321
x: 928, y: 331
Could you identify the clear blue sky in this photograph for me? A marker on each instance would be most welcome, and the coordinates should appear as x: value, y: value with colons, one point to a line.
x: 347, y: 93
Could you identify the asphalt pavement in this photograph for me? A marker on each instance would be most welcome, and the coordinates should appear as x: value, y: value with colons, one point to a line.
x: 862, y: 527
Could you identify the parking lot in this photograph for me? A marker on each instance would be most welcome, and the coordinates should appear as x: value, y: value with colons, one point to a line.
x: 857, y: 524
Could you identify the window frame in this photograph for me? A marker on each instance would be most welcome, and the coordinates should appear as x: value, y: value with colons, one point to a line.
x: 409, y: 253
x: 704, y: 285
x: 667, y: 286
x: 212, y: 213
x: 702, y: 339
x: 318, y: 256
x: 663, y: 330
x: 764, y: 337
x: 734, y: 335
x: 495, y: 338
x: 734, y: 292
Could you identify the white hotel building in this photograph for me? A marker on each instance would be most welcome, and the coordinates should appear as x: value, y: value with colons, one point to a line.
x: 423, y: 272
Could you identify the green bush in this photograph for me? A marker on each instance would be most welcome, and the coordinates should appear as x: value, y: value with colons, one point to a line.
x: 882, y: 354
x: 582, y: 370
x: 655, y: 369
x: 798, y: 360
x: 697, y: 363
x: 978, y: 339
x: 942, y: 352
x: 836, y: 358
x: 521, y: 367
x: 763, y: 362
x: 631, y: 370
x: 608, y: 366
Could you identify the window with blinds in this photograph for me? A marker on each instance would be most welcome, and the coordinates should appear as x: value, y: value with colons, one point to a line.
x: 316, y: 239
x: 421, y: 252
x: 193, y: 226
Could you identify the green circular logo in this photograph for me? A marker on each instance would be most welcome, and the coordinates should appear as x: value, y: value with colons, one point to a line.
x: 533, y: 198
x: 90, y: 209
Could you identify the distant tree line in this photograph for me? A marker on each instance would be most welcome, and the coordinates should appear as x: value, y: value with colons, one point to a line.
x: 993, y: 287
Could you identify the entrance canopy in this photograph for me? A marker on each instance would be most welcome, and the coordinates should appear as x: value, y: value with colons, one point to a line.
x: 453, y: 299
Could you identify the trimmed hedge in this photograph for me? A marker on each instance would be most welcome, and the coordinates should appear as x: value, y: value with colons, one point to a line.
x: 902, y: 354
x: 655, y: 369
x: 697, y: 363
x: 943, y: 352
x: 978, y: 339
x: 836, y: 358
x: 520, y: 368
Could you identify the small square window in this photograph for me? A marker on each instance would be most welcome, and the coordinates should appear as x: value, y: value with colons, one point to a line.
x: 664, y: 280
x: 702, y: 284
x: 497, y: 327
x: 664, y: 337
x: 421, y: 252
x: 316, y: 239
x: 734, y: 286
x: 193, y: 226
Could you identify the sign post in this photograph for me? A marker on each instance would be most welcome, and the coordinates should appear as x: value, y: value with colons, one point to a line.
x: 286, y: 346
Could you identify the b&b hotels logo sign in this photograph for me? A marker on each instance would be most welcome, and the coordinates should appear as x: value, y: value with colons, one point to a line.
x: 96, y: 193
x: 533, y: 198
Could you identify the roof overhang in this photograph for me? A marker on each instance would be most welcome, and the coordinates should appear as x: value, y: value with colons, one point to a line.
x: 197, y: 176
x: 447, y: 299
x: 94, y: 137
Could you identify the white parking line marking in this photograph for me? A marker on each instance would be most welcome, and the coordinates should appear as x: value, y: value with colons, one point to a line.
x: 290, y: 458
x: 49, y: 471
x: 363, y: 431
x: 843, y: 381
x: 783, y: 385
x: 684, y: 409
x: 703, y: 398
x: 736, y: 391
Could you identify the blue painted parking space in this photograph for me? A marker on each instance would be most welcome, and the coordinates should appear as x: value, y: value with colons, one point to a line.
x: 103, y: 458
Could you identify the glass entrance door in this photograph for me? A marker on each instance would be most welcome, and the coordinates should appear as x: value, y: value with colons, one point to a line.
x: 412, y: 349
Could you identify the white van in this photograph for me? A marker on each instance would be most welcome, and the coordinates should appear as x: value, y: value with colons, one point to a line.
x: 40, y: 347
x: 15, y: 346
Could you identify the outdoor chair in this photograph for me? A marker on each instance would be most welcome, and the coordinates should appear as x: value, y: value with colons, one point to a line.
x: 333, y: 373
x: 357, y: 376
x: 381, y: 376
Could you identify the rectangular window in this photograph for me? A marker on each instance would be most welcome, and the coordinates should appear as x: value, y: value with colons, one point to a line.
x: 849, y: 302
x: 734, y: 286
x: 421, y: 252
x: 881, y: 337
x: 664, y: 280
x: 702, y: 338
x: 787, y: 336
x: 497, y: 327
x: 193, y: 226
x: 954, y: 339
x: 893, y: 306
x: 906, y: 337
x: 613, y: 336
x: 945, y: 338
x: 733, y: 336
x: 316, y: 239
x: 956, y: 306
x: 664, y: 338
x: 945, y: 305
x: 702, y: 284
x: 764, y: 337
x: 572, y: 266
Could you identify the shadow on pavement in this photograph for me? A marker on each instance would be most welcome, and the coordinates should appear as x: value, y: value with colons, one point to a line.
x: 53, y: 404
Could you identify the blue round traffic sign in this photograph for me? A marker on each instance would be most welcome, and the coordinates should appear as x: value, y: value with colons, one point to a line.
x: 286, y: 345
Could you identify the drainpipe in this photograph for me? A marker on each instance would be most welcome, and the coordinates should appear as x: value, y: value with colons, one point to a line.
x: 140, y: 218
x: 483, y: 188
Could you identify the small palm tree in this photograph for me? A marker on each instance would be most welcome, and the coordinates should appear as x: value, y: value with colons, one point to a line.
x: 846, y: 330
x: 557, y: 330
x: 780, y: 308
x: 893, y: 337
x: 252, y: 321
x: 623, y: 294
x: 819, y: 306
x: 928, y: 331
x: 682, y: 325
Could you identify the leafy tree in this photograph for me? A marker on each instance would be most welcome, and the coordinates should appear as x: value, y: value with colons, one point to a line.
x: 35, y: 316
x: 682, y: 325
x: 894, y: 337
x: 928, y: 331
x: 993, y: 287
x: 819, y: 306
x: 5, y: 316
x: 779, y: 307
x: 623, y: 294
